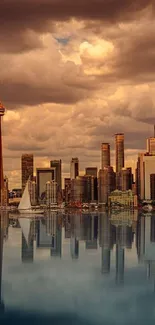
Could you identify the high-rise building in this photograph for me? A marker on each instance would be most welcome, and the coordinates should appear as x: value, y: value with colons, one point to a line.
x: 91, y: 171
x: 149, y: 168
x: 51, y: 193
x: 58, y: 177
x: 27, y: 169
x: 126, y: 179
x: 82, y: 189
x: 2, y: 191
x: 89, y: 188
x: 32, y: 191
x: 44, y: 175
x: 74, y: 168
x: 151, y: 146
x: 1, y: 256
x: 78, y: 189
x: 67, y: 185
x: 106, y: 184
x: 140, y: 176
x: 105, y: 155
x: 119, y: 140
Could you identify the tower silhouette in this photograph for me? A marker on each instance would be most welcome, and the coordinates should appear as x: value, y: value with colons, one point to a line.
x: 2, y: 188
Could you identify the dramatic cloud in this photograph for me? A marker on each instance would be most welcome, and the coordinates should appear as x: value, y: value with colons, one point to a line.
x: 34, y: 12
x: 40, y: 76
x: 73, y: 73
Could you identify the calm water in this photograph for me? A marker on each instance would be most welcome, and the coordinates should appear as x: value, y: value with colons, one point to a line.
x: 78, y: 269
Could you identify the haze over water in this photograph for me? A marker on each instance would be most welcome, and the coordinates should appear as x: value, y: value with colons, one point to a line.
x: 78, y: 268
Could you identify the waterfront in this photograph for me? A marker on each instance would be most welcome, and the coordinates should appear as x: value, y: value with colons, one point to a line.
x: 78, y: 268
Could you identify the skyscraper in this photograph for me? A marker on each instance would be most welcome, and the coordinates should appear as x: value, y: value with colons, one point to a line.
x: 149, y: 168
x: 89, y: 188
x: 67, y: 184
x: 119, y: 140
x: 151, y: 146
x: 74, y: 169
x: 57, y: 165
x: 27, y: 169
x: 1, y: 257
x: 126, y: 179
x: 140, y: 176
x: 2, y: 196
x: 51, y: 193
x: 91, y: 171
x: 78, y: 189
x: 44, y: 175
x: 105, y: 155
x: 106, y: 184
x: 32, y: 191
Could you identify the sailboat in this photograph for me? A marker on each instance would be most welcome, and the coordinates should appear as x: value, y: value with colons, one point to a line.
x: 25, y: 203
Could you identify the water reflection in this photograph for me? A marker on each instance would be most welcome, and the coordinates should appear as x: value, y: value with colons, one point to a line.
x: 3, y: 235
x: 106, y: 243
x: 146, y: 244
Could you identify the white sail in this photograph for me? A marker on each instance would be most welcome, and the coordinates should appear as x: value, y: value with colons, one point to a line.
x: 25, y: 203
x: 25, y: 227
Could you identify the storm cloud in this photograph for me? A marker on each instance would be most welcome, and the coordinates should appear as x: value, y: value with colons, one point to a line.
x: 73, y: 73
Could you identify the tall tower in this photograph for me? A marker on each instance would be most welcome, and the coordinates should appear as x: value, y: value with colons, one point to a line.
x: 1, y: 258
x: 57, y: 165
x: 27, y: 169
x: 151, y: 145
x: 106, y: 184
x: 105, y: 155
x: 119, y: 140
x: 74, y: 169
x: 2, y: 196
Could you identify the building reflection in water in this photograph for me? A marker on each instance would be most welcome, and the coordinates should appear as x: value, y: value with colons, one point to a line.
x: 90, y: 228
x: 91, y: 232
x: 146, y: 244
x: 115, y: 230
x: 105, y: 241
x: 111, y: 233
x: 49, y: 233
x: 124, y: 239
x: 74, y: 244
x: 56, y: 232
x: 4, y: 224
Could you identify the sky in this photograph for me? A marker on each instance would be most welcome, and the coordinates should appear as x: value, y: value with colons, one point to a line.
x: 74, y: 73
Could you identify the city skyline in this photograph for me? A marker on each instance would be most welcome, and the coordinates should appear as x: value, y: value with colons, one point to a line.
x: 75, y: 76
x: 105, y: 160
